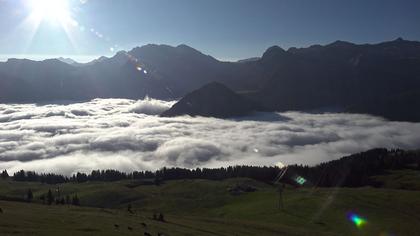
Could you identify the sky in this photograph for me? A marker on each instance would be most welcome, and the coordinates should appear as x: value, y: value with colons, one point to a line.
x: 225, y: 29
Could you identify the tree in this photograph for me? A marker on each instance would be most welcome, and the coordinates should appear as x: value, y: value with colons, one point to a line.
x: 4, y: 174
x: 75, y: 201
x: 161, y: 217
x: 19, y: 176
x: 50, y: 197
x: 29, y: 195
x: 157, y: 181
x: 42, y: 198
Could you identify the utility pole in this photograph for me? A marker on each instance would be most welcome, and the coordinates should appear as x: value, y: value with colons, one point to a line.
x: 281, y: 187
x: 281, y: 205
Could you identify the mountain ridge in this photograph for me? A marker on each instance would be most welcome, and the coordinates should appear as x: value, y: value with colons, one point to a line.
x: 377, y: 79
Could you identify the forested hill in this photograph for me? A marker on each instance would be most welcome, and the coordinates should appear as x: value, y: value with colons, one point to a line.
x: 358, y: 169
x: 352, y: 171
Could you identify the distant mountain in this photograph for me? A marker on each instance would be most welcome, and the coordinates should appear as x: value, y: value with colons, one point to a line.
x: 249, y: 59
x: 212, y: 100
x: 381, y: 79
x: 183, y: 69
x: 36, y: 80
x: 67, y: 60
x: 157, y: 71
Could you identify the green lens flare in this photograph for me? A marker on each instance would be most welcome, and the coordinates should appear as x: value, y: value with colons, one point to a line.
x: 357, y: 220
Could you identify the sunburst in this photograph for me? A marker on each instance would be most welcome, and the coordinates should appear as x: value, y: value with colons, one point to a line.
x: 57, y: 13
x: 51, y: 11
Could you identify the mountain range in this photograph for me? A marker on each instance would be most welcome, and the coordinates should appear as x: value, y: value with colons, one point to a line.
x: 380, y: 79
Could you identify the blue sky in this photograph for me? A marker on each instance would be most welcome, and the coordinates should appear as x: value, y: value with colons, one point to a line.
x: 225, y: 29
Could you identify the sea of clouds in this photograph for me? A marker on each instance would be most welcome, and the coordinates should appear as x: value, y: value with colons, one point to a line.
x: 129, y: 135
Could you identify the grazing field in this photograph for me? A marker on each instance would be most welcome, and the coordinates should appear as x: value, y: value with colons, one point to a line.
x: 203, y: 207
x: 400, y: 179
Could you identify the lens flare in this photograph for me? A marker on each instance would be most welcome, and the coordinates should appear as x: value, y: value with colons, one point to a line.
x: 280, y: 165
x: 300, y: 180
x: 357, y: 220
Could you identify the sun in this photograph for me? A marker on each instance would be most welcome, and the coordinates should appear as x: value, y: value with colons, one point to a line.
x: 51, y: 15
x: 51, y: 11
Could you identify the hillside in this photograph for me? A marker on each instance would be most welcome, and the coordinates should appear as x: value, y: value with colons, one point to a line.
x: 239, y: 200
x: 213, y: 100
x: 373, y: 168
x: 202, y: 207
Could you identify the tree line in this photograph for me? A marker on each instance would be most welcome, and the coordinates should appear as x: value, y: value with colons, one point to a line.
x: 356, y: 170
x: 258, y: 173
x: 351, y: 171
x: 52, y: 197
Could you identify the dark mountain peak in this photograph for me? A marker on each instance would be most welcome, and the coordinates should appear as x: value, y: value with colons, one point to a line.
x: 158, y: 50
x: 151, y: 47
x: 120, y: 58
x: 274, y: 52
x: 28, y: 62
x: 53, y: 61
x: 215, y: 86
x: 212, y: 100
x: 67, y: 60
x: 396, y: 42
x: 110, y: 63
x: 101, y: 58
x: 249, y: 60
x: 185, y: 47
x: 340, y: 44
x: 121, y: 54
x: 18, y: 61
x: 97, y: 60
x: 292, y: 49
x: 274, y: 49
x: 398, y: 48
x: 312, y: 48
x: 167, y: 58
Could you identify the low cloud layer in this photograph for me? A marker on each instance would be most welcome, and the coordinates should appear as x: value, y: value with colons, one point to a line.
x: 127, y: 135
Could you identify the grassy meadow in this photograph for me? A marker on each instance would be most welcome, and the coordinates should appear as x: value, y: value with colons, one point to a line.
x: 204, y: 207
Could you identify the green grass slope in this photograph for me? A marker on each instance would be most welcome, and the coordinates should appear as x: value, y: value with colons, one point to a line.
x: 202, y: 207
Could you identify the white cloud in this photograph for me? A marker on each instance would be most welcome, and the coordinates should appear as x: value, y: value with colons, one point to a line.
x: 127, y: 135
x: 150, y: 106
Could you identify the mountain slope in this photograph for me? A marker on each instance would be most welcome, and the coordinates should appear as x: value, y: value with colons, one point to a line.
x: 214, y: 100
x: 375, y: 79
x: 380, y: 79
